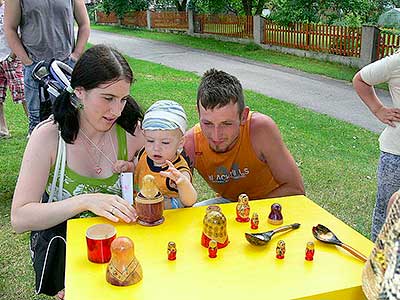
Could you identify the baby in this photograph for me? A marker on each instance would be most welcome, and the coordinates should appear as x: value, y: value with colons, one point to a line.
x: 164, y: 126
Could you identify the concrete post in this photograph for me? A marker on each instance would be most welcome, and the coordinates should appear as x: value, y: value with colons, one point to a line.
x: 148, y: 19
x: 369, y: 42
x: 190, y: 14
x: 258, y: 29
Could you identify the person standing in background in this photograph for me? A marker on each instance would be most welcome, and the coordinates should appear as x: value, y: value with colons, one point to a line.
x: 10, y: 75
x: 387, y: 70
x: 47, y: 32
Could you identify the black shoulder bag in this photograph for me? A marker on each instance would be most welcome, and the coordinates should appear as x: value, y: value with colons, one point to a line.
x: 48, y: 246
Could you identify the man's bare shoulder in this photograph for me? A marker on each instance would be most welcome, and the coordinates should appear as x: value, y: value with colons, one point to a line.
x: 264, y: 135
x: 262, y: 125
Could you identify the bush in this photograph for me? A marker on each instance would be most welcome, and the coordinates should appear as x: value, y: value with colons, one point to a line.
x: 121, y: 7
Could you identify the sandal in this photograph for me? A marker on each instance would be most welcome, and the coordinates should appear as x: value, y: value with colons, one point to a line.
x: 4, y: 135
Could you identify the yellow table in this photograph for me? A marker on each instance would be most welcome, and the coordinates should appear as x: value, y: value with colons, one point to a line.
x: 240, y: 271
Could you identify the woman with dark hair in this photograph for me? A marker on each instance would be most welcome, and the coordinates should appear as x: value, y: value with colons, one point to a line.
x: 96, y: 122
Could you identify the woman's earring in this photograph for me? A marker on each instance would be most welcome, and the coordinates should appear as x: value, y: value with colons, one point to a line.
x: 76, y: 103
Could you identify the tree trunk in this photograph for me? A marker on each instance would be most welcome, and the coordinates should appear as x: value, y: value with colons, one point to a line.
x: 180, y: 6
x: 247, y: 7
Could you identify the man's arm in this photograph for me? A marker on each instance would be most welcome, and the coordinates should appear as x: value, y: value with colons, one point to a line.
x: 188, y: 147
x: 82, y: 19
x: 12, y: 19
x: 270, y: 148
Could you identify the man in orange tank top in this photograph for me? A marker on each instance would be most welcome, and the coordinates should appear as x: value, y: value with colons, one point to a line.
x: 237, y: 151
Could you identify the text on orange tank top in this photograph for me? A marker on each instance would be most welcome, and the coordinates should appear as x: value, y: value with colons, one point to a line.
x: 236, y: 171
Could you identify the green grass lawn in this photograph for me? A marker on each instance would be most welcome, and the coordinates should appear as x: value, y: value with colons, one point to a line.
x: 337, y: 160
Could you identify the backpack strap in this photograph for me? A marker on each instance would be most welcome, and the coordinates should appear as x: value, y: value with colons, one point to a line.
x: 62, y: 171
x: 59, y: 169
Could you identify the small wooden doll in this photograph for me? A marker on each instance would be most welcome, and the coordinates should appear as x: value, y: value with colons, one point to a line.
x: 254, y: 221
x: 310, y: 251
x: 149, y: 188
x: 275, y: 216
x: 243, y: 209
x: 280, y: 249
x: 171, y: 251
x: 214, y: 227
x: 149, y: 203
x: 212, y: 249
x: 123, y: 269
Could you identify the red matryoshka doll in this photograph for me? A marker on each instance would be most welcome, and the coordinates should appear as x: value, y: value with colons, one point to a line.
x: 214, y: 227
x: 310, y: 251
x: 254, y: 221
x: 171, y: 251
x: 243, y: 209
x: 212, y: 249
x: 280, y: 249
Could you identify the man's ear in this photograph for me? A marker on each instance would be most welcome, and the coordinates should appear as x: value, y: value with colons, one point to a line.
x: 181, y: 143
x: 245, y: 114
x: 198, y: 109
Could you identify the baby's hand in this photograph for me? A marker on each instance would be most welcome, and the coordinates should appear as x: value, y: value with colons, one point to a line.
x: 174, y: 174
x: 121, y: 166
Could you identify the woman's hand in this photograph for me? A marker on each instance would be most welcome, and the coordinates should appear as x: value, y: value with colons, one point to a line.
x: 123, y: 166
x: 388, y: 115
x: 111, y: 207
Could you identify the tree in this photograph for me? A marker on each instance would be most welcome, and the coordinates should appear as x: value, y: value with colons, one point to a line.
x: 121, y: 7
x: 343, y: 12
x: 179, y: 5
x: 251, y: 7
x: 238, y: 7
x: 290, y: 11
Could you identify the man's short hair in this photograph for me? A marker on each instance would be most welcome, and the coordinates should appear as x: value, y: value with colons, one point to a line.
x: 218, y: 89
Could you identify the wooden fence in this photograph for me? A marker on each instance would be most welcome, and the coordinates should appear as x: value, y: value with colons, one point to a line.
x: 106, y: 19
x: 339, y: 40
x: 227, y: 25
x: 135, y: 18
x: 169, y: 19
x: 387, y: 44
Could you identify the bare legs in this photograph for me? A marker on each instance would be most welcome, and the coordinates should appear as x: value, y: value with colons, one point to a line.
x: 4, y: 133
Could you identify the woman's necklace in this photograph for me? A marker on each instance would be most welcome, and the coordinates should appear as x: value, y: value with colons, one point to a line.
x: 97, y: 167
